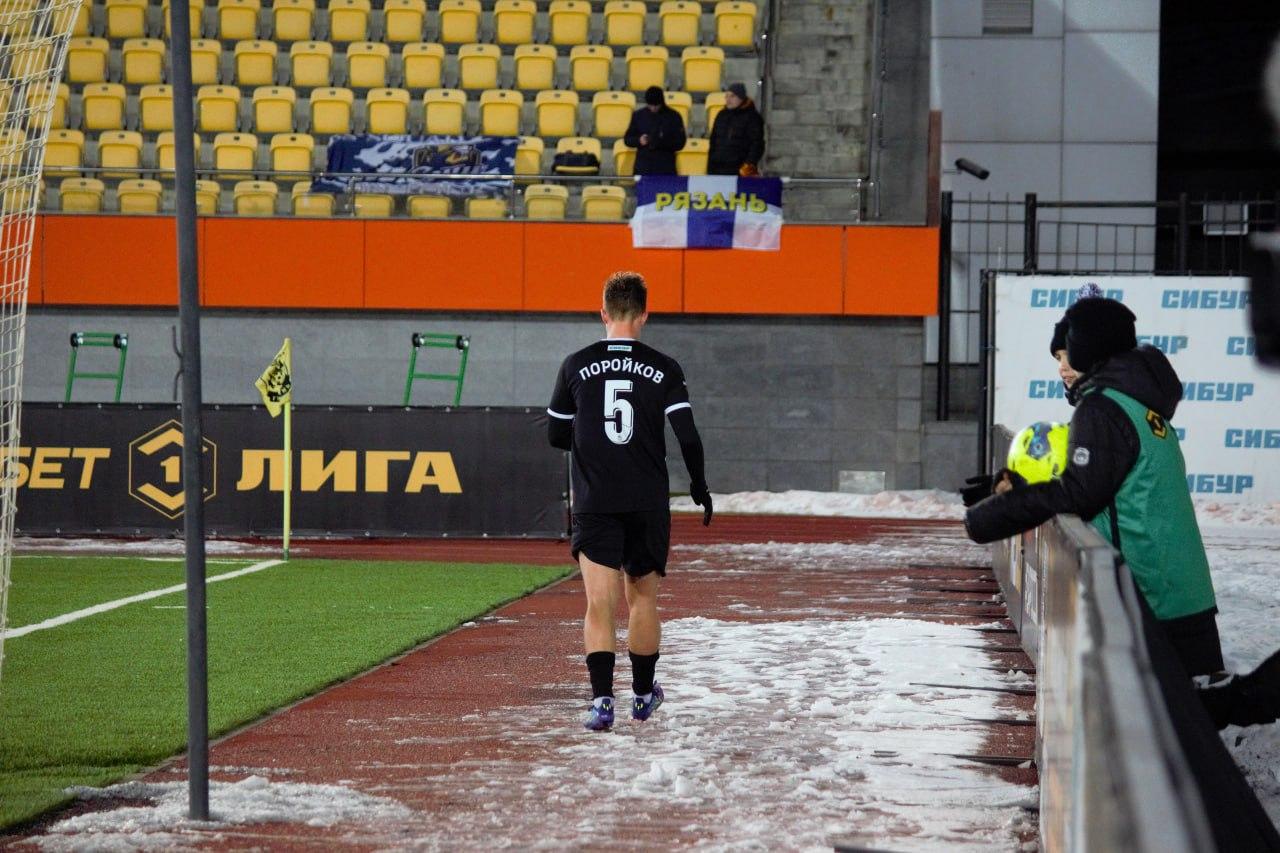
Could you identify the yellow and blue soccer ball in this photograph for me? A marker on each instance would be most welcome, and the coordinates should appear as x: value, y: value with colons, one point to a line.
x: 1039, y: 452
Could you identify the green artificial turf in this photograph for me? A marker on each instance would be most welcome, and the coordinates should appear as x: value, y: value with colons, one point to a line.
x: 105, y: 696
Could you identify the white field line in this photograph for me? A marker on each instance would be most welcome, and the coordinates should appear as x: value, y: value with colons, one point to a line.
x: 133, y: 599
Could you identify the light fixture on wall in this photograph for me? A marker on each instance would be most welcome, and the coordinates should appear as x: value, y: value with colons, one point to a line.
x: 971, y: 168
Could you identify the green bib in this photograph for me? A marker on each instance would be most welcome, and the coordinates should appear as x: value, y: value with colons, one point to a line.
x: 1159, y: 536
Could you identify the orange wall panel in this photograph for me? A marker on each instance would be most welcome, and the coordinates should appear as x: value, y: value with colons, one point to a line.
x: 444, y: 265
x: 566, y: 265
x: 805, y: 277
x: 110, y: 260
x: 35, y: 277
x: 890, y: 271
x: 283, y: 263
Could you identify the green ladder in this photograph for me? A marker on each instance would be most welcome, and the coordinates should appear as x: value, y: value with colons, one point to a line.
x: 438, y: 340
x: 118, y: 340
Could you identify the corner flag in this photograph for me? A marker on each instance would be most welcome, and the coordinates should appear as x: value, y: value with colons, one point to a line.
x: 276, y: 382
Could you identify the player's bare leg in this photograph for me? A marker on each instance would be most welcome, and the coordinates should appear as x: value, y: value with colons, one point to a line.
x: 644, y: 634
x: 603, y: 586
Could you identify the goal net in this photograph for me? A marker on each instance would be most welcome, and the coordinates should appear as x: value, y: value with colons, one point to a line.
x: 33, y: 50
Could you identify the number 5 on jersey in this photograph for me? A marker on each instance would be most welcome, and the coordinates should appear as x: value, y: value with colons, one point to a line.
x: 619, y: 431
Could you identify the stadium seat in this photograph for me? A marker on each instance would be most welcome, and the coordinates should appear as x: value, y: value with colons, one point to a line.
x: 545, y: 201
x: 103, y: 106
x: 164, y: 150
x: 63, y: 153
x: 570, y: 21
x: 590, y: 66
x: 557, y: 112
x: 500, y: 112
x: 238, y: 19
x: 120, y: 150
x: 310, y: 64
x: 486, y: 208
x: 21, y: 197
x: 219, y: 108
x: 478, y: 66
x: 578, y: 145
x: 367, y: 65
x: 11, y: 149
x: 196, y: 10
x: 292, y: 20
x: 256, y: 63
x: 373, y: 205
x: 624, y: 159
x: 87, y: 60
x: 349, y: 20
x: 53, y: 97
x: 307, y: 203
x: 646, y: 66
x: 331, y: 110
x: 155, y: 108
x: 255, y: 198
x: 208, y: 194
x: 735, y: 23
x: 702, y: 68
x: 81, y: 195
x: 292, y: 152
x: 612, y: 113
x: 459, y: 21
x: 403, y: 20
x: 30, y: 59
x: 682, y: 103
x: 443, y: 110
x: 429, y: 206
x: 80, y: 28
x: 387, y: 111
x: 423, y: 65
x: 681, y: 20
x: 206, y: 62
x: 235, y: 155
x: 529, y: 156
x: 126, y: 19
x: 139, y: 196
x: 273, y: 108
x: 513, y: 21
x: 624, y: 22
x: 711, y: 108
x: 142, y: 61
x: 692, y: 159
x: 535, y: 66
x: 603, y: 203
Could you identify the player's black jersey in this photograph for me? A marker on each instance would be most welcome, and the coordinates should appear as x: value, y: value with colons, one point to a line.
x: 618, y: 393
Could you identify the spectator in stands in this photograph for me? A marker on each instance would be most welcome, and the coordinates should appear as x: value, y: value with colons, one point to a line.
x: 657, y: 133
x: 737, y: 136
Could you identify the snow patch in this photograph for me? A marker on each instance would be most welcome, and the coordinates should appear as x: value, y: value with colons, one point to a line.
x: 920, y: 503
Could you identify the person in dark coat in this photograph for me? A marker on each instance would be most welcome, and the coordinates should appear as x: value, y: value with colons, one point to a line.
x: 737, y: 136
x: 657, y: 133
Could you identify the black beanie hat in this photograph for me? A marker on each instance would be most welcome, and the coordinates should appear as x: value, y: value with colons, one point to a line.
x: 1059, y: 339
x: 1096, y: 330
x: 653, y: 96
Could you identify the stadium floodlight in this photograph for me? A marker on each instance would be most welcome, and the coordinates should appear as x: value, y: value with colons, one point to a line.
x: 969, y: 167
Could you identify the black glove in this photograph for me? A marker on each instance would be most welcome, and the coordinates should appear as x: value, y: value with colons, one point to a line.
x: 976, y: 489
x: 702, y: 498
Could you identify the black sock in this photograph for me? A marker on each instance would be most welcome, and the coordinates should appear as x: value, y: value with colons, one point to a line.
x: 642, y: 667
x: 600, y: 667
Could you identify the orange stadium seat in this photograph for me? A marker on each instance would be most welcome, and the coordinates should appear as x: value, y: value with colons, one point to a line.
x: 367, y: 64
x: 535, y: 67
x: 459, y: 21
x: 142, y: 61
x: 349, y: 20
x: 557, y: 112
x: 529, y: 156
x: 403, y: 20
x: 443, y: 111
x: 423, y: 65
x: 590, y: 65
x: 208, y: 196
x: 256, y: 63
x: 478, y: 66
x: 63, y: 153
x: 139, y: 196
x: 103, y: 106
x: 87, y: 60
x: 293, y: 20
x: 735, y: 23
x: 388, y: 111
x: 331, y: 110
x: 238, y: 19
x: 570, y: 21
x: 702, y: 68
x: 428, y: 206
x: 120, y: 151
x: 545, y: 201
x: 292, y: 152
x: 307, y: 203
x: 624, y: 22
x: 219, y: 108
x: 155, y: 108
x: 165, y: 156
x: 206, y: 60
x: 646, y: 66
x: 273, y: 108
x: 81, y: 195
x: 500, y: 112
x: 681, y: 20
x: 235, y: 155
x: 603, y: 203
x: 126, y: 19
x: 196, y: 10
x: 624, y: 159
x: 373, y: 205
x: 612, y: 113
x: 513, y: 21
x: 692, y: 159
x: 311, y: 64
x: 255, y: 198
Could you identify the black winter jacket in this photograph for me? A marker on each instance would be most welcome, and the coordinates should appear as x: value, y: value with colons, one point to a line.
x: 737, y: 137
x: 666, y: 136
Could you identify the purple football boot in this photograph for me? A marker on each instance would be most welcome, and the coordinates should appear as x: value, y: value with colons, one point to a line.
x: 642, y: 710
x: 600, y: 718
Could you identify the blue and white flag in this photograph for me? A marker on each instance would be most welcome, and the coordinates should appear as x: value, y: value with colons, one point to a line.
x: 711, y: 212
x: 403, y: 165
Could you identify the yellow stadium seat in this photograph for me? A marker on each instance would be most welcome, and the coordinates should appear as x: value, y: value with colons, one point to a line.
x: 34, y: 59
x: 591, y: 65
x: 349, y: 20
x: 624, y: 159
x: 459, y: 21
x: 735, y: 23
x: 142, y: 61
x: 711, y: 108
x: 535, y: 67
x: 646, y: 66
x: 681, y: 20
x: 367, y: 65
x: 80, y: 27
x: 307, y: 203
x: 196, y: 10
x: 121, y: 151
x: 557, y: 112
x: 256, y: 63
x: 292, y: 152
x: 238, y: 19
x: 164, y: 150
x: 570, y: 21
x: 103, y: 106
x: 331, y: 110
x: 139, y: 196
x: 273, y: 108
x: 603, y: 203
x: 13, y: 149
x: 373, y: 205
x: 87, y: 60
x: 529, y: 156
x: 612, y: 112
x: 126, y: 19
x: 486, y: 208
x: 18, y: 21
x: 53, y: 97
x: 155, y: 108
x: 219, y: 108
x: 423, y: 65
x: 208, y: 194
x: 388, y: 111
x: 63, y: 153
x: 545, y: 201
x: 478, y: 66
x: 513, y: 21
x: 403, y: 20
x: 206, y: 60
x: 81, y: 195
x: 702, y: 67
x: 235, y: 155
x: 311, y: 63
x: 293, y: 20
x: 443, y: 111
x: 692, y: 159
x: 624, y: 22
x: 429, y: 206
x: 255, y: 198
x: 578, y: 145
x: 682, y: 103
x: 500, y: 112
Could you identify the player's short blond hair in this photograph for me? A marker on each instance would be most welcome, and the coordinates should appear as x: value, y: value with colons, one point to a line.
x: 625, y: 295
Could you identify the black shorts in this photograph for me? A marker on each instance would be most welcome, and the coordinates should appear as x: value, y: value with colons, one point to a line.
x: 636, y: 542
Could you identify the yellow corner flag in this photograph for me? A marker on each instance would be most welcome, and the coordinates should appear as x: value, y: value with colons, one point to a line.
x: 276, y: 382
